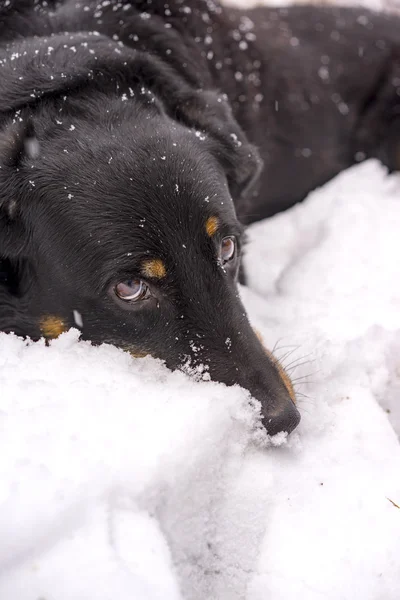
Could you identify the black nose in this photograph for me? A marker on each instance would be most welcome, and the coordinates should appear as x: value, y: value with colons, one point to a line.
x: 286, y: 419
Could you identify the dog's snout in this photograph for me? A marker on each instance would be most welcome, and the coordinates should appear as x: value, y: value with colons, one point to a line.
x: 285, y: 419
x: 245, y: 362
x: 265, y: 379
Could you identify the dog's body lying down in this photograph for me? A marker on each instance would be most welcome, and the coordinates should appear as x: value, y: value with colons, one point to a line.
x: 132, y: 142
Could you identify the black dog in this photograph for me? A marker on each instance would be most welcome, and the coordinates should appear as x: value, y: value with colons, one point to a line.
x: 129, y: 164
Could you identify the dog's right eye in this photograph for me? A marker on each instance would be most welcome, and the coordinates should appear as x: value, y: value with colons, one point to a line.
x: 228, y: 248
x: 132, y: 290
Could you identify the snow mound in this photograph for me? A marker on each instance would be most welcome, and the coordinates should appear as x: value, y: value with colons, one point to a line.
x: 121, y: 479
x: 111, y: 466
x: 375, y: 5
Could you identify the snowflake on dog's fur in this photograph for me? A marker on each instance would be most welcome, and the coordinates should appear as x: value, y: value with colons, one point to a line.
x: 196, y: 372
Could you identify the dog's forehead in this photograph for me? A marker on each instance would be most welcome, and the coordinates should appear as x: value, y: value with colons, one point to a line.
x: 147, y: 195
x: 171, y: 199
x: 161, y: 184
x: 161, y: 162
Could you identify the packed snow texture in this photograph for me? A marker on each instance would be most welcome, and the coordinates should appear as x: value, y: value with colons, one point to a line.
x: 120, y: 479
x: 386, y: 5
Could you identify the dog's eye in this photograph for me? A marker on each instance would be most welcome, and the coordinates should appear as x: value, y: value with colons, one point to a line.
x: 228, y: 247
x: 132, y: 290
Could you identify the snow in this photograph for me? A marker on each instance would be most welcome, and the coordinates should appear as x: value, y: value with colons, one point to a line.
x: 388, y: 5
x: 121, y: 479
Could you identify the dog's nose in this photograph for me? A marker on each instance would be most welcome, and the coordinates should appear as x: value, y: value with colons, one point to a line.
x: 286, y: 419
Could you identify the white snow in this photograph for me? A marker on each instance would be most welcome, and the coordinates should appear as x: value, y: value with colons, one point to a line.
x: 387, y: 5
x: 326, y: 275
x: 120, y: 479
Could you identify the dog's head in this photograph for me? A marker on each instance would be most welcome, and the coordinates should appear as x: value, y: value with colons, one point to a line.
x: 117, y: 217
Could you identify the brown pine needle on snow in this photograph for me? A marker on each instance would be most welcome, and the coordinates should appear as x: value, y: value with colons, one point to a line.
x: 394, y: 503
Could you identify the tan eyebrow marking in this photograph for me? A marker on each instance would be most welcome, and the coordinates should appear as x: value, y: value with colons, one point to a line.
x: 212, y: 226
x: 52, y: 326
x: 154, y: 267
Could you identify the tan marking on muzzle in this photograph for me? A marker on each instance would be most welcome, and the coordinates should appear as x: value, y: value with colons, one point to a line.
x: 283, y: 375
x: 154, y: 267
x: 212, y: 226
x: 52, y: 326
x: 285, y: 378
x: 138, y: 354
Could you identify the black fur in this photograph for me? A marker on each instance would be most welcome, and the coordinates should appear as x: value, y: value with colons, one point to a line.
x: 124, y: 126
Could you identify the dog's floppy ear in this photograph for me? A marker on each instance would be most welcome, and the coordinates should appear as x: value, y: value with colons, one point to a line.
x: 208, y: 111
x: 64, y: 63
x: 17, y: 142
x: 241, y: 159
x: 40, y: 66
x: 211, y: 113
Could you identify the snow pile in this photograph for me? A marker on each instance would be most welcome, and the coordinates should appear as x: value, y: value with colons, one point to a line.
x: 120, y: 479
x: 377, y: 5
x: 327, y: 280
x: 110, y: 467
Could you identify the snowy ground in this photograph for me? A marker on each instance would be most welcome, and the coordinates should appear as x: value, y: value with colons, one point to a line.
x: 120, y: 479
x: 388, y: 5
